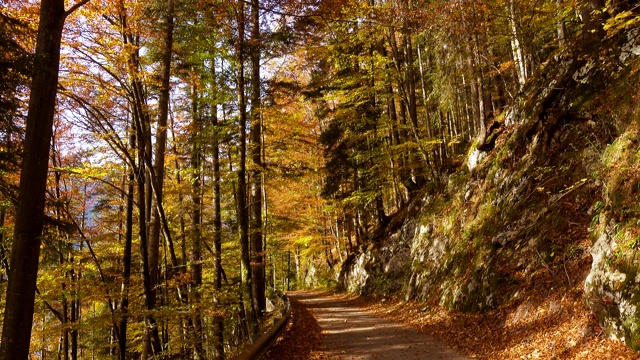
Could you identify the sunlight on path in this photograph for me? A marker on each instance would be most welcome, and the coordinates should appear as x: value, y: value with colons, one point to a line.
x: 352, y: 333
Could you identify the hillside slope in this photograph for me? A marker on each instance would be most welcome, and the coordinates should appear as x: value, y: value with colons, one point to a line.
x: 552, y: 207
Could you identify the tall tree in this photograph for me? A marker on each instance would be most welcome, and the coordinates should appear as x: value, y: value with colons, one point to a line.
x: 241, y: 191
x: 143, y: 174
x: 18, y: 315
x: 195, y: 252
x: 161, y: 143
x: 218, y: 322
x: 257, y: 255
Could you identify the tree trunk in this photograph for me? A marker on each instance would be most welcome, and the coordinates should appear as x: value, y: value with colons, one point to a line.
x: 288, y: 270
x: 151, y: 327
x: 144, y: 180
x: 195, y: 253
x: 126, y: 266
x: 562, y: 27
x: 427, y: 120
x: 75, y: 318
x: 62, y: 250
x: 161, y: 143
x: 241, y: 193
x: 479, y: 84
x: 257, y: 256
x: 477, y: 92
x: 182, y: 222
x: 75, y: 277
x: 218, y: 322
x: 516, y: 47
x: 29, y: 222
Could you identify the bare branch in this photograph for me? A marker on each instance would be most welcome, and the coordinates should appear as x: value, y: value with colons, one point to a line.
x: 75, y: 7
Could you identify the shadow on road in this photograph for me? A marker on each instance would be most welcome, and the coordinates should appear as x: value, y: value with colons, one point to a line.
x: 349, y: 332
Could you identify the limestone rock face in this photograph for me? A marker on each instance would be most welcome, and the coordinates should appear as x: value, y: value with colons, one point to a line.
x: 381, y: 268
x: 613, y: 287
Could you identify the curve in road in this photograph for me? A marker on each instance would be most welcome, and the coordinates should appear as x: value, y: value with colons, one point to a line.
x: 350, y: 333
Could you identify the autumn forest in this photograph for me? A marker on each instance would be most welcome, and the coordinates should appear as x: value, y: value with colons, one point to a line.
x: 168, y: 168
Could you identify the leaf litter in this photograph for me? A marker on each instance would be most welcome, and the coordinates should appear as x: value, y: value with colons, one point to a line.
x: 547, y: 320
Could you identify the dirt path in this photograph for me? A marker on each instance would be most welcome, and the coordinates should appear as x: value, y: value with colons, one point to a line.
x: 349, y: 332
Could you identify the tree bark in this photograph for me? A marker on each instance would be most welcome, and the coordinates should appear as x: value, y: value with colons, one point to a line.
x: 516, y: 47
x: 161, y: 144
x: 144, y: 179
x: 218, y: 322
x: 153, y: 336
x: 126, y: 266
x: 62, y: 250
x: 561, y: 26
x: 241, y: 193
x: 29, y: 222
x: 257, y: 256
x: 195, y: 253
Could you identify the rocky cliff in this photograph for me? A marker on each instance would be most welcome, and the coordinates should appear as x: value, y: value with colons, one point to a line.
x: 557, y: 196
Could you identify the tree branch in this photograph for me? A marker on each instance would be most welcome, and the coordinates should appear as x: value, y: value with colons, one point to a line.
x: 75, y: 7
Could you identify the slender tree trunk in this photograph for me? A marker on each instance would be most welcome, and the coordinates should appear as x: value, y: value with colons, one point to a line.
x: 29, y: 222
x: 257, y: 256
x: 65, y: 313
x: 241, y: 193
x: 74, y: 318
x: 464, y: 94
x: 62, y: 251
x: 76, y: 304
x: 3, y: 252
x: 195, y: 253
x: 297, y: 264
x: 561, y: 26
x: 150, y: 301
x: 218, y: 321
x: 273, y: 272
x: 143, y: 182
x: 477, y: 93
x: 479, y: 83
x: 397, y: 160
x: 183, y: 236
x: 126, y: 265
x: 161, y: 143
x: 424, y: 94
x: 516, y: 47
x: 410, y: 85
x: 288, y: 270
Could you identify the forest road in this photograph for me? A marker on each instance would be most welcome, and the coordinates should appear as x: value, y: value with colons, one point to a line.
x: 350, y: 333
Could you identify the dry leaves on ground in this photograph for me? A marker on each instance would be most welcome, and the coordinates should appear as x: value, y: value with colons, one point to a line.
x: 301, y: 339
x: 548, y: 320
